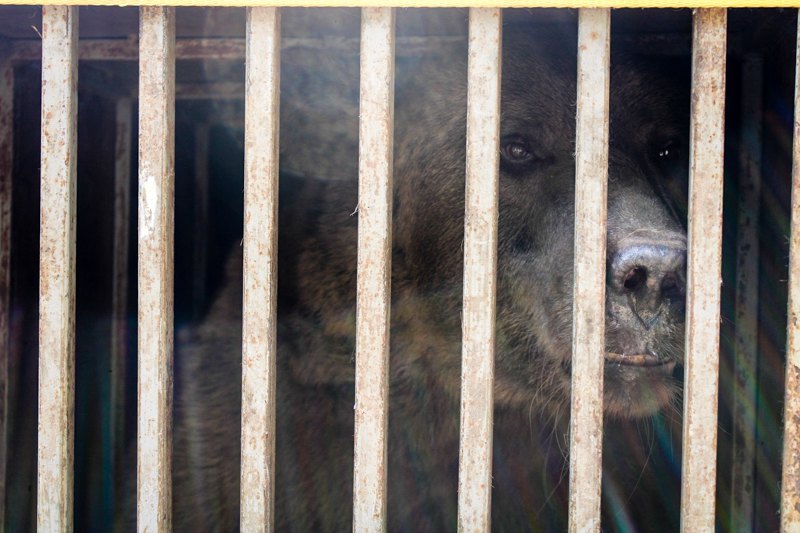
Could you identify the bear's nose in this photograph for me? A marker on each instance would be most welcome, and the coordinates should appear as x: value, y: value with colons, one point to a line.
x: 651, y: 274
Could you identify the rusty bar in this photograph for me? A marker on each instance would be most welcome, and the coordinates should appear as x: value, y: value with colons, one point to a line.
x: 746, y: 338
x: 6, y: 170
x: 480, y: 269
x: 703, y: 272
x: 200, y: 229
x: 57, y: 268
x: 375, y: 157
x: 260, y: 269
x: 588, y: 331
x: 155, y: 265
x: 790, y: 483
x: 119, y: 287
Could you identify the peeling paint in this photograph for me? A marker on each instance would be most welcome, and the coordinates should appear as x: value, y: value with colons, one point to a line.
x: 57, y: 269
x: 155, y: 266
x: 790, y: 486
x: 259, y: 346
x: 588, y: 334
x: 376, y: 128
x: 480, y: 269
x: 703, y: 270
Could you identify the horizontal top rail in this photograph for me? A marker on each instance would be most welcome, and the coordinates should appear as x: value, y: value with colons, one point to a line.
x: 424, y: 3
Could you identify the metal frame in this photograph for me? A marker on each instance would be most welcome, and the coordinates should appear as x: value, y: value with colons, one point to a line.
x: 158, y: 50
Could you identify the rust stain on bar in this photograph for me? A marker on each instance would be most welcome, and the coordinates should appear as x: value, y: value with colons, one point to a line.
x: 57, y: 269
x: 6, y: 169
x: 588, y: 330
x: 375, y: 158
x: 155, y: 266
x: 703, y: 272
x: 790, y: 484
x: 480, y: 270
x: 260, y: 269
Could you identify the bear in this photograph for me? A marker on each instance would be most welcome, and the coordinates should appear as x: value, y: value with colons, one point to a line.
x: 648, y: 176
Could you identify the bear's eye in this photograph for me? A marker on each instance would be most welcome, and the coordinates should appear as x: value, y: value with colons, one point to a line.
x: 667, y: 153
x: 515, y: 149
x: 516, y: 152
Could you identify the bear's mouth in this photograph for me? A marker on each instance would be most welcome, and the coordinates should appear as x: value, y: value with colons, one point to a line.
x: 636, y: 360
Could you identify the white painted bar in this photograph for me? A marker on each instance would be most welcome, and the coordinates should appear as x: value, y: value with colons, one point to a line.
x: 707, y: 138
x: 480, y: 269
x: 200, y: 228
x: 373, y: 311
x: 589, y: 300
x: 155, y: 266
x: 119, y: 287
x: 6, y: 174
x: 745, y: 386
x: 790, y: 495
x: 57, y: 268
x: 260, y: 269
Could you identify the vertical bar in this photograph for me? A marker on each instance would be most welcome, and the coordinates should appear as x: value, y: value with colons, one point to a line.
x: 200, y: 242
x: 6, y: 170
x: 57, y: 268
x: 155, y: 265
x: 746, y: 347
x: 375, y: 158
x: 703, y: 274
x: 260, y: 269
x: 119, y: 291
x: 480, y: 269
x: 589, y: 299
x: 790, y: 495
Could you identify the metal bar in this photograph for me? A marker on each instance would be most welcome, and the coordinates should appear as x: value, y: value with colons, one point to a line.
x: 119, y: 288
x: 6, y: 173
x: 260, y: 269
x: 480, y: 269
x: 57, y: 268
x: 790, y: 495
x: 155, y: 265
x: 746, y: 339
x: 703, y: 274
x: 200, y: 230
x: 589, y: 300
x: 375, y: 158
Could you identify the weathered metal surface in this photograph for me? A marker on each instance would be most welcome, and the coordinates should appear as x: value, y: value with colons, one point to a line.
x: 375, y: 157
x: 746, y: 347
x: 790, y: 483
x: 6, y: 169
x: 155, y: 266
x: 119, y: 287
x: 480, y: 269
x: 200, y: 227
x: 57, y: 268
x: 260, y: 269
x: 588, y: 323
x: 703, y: 272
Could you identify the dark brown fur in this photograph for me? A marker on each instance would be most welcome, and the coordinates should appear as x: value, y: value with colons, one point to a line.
x: 317, y: 310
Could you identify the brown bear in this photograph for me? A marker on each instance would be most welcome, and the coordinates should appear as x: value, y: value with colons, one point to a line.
x: 317, y: 280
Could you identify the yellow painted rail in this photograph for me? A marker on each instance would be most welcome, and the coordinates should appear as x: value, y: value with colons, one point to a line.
x: 424, y: 3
